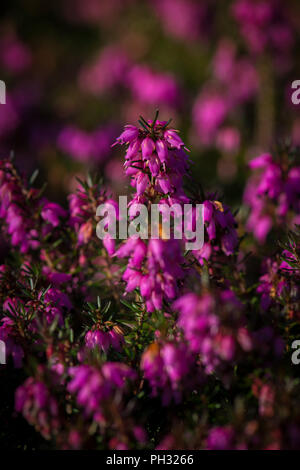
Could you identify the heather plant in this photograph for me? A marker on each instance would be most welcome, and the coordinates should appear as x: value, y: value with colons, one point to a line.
x: 141, y: 343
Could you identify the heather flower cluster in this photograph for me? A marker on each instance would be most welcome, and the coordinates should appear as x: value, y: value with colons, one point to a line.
x: 93, y: 387
x: 216, y: 337
x: 147, y: 341
x: 109, y: 332
x: 234, y: 83
x: 40, y: 409
x: 156, y: 162
x: 169, y: 63
x: 273, y: 194
x: 169, y: 369
x: 155, y: 159
x: 264, y: 24
x: 155, y: 269
x: 221, y: 237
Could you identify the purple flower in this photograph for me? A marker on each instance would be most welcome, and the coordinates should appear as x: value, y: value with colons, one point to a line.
x: 17, y: 211
x: 173, y: 139
x: 220, y: 231
x: 52, y: 212
x: 104, y: 339
x: 167, y: 368
x: 209, y: 112
x: 82, y: 215
x: 203, y: 320
x: 93, y: 386
x: 86, y: 146
x: 220, y: 438
x: 264, y: 24
x: 14, y: 56
x: 56, y: 278
x: 154, y: 268
x: 235, y: 81
x: 272, y: 194
x: 108, y: 71
x: 39, y: 408
x: 9, y: 336
x: 184, y: 19
x: 154, y: 88
x: 56, y: 303
x: 130, y: 134
x: 155, y: 158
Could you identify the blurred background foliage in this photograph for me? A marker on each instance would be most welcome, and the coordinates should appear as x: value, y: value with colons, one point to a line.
x: 77, y: 71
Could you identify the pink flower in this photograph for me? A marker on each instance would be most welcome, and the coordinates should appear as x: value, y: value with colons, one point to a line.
x: 92, y: 386
x: 272, y: 193
x: 104, y: 339
x: 10, y: 338
x: 166, y: 368
x: 52, y: 212
x: 15, y: 56
x: 38, y: 406
x: 201, y: 319
x: 220, y: 438
x: 159, y: 155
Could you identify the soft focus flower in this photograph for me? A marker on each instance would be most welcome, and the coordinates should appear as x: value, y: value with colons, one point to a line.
x: 213, y: 327
x: 266, y: 397
x: 93, y: 386
x: 155, y: 154
x: 185, y: 19
x: 210, y: 110
x: 271, y: 284
x: 83, y: 211
x: 220, y: 231
x: 84, y: 146
x: 108, y: 70
x: 8, y: 336
x: 264, y: 24
x: 152, y: 87
x: 220, y: 438
x: 154, y: 268
x: 272, y: 194
x: 38, y: 407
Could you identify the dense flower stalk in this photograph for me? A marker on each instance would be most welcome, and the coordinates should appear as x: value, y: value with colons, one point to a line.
x: 40, y: 409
